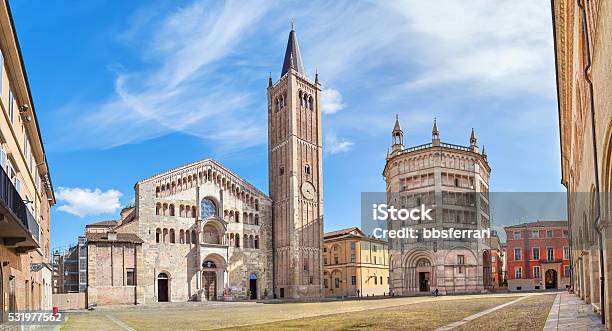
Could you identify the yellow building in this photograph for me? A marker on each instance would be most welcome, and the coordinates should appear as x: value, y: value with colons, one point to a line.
x: 26, y: 194
x: 354, y: 264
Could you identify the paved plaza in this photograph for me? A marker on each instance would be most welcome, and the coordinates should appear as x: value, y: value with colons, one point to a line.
x: 481, y: 312
x: 572, y: 314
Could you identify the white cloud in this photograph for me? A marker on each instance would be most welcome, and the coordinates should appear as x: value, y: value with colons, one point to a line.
x: 501, y: 45
x: 200, y: 64
x: 333, y: 145
x: 182, y: 85
x: 86, y: 202
x: 331, y: 101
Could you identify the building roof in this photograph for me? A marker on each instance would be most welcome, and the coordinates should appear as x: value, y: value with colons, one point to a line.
x: 538, y: 224
x: 354, y: 231
x: 121, y: 237
x: 293, y: 58
x: 102, y: 224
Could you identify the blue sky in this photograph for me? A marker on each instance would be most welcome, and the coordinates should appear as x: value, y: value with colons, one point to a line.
x: 126, y: 89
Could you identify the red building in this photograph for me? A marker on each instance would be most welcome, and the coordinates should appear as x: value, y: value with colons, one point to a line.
x: 537, y: 256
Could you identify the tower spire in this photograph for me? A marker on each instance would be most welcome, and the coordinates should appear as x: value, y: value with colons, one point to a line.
x: 435, y: 134
x: 397, y: 126
x: 293, y: 57
x: 398, y: 136
x: 473, y: 138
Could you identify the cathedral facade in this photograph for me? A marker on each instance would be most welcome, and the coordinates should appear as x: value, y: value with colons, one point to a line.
x: 453, y: 181
x: 199, y: 232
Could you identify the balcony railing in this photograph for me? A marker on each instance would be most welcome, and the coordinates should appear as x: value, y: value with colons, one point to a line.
x: 14, y: 203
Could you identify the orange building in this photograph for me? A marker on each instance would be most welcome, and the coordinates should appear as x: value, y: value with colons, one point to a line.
x: 26, y: 193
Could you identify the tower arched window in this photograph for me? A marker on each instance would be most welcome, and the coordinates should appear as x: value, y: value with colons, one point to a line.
x: 301, y: 97
x: 257, y: 242
x: 310, y: 103
x: 172, y: 209
x: 158, y: 235
x: 307, y: 169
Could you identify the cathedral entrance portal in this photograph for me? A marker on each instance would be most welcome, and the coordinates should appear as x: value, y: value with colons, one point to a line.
x: 424, y: 281
x: 210, y: 285
x: 162, y: 287
x: 253, y: 287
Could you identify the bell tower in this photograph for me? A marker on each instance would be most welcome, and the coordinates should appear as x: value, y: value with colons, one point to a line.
x: 295, y: 178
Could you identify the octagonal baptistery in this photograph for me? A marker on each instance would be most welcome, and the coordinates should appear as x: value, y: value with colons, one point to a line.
x: 207, y: 235
x: 453, y: 181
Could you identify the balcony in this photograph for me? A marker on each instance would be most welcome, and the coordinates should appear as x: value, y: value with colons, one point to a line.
x: 19, y: 229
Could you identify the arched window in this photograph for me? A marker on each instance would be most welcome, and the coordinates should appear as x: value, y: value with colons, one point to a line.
x: 251, y: 243
x: 301, y: 97
x: 231, y: 243
x: 237, y: 217
x: 182, y: 211
x: 182, y: 236
x: 310, y: 103
x: 165, y: 232
x: 307, y: 169
x: 165, y: 209
x: 157, y: 191
x: 158, y: 209
x: 172, y: 236
x: 245, y: 241
x: 188, y: 237
x: 256, y: 242
x: 256, y: 205
x: 256, y: 219
x: 207, y: 208
x: 171, y: 209
x: 194, y: 237
x: 245, y: 218
x: 193, y: 211
x: 158, y: 235
x: 237, y: 240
